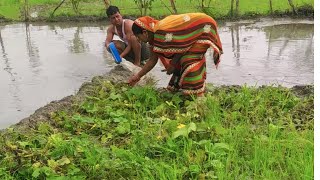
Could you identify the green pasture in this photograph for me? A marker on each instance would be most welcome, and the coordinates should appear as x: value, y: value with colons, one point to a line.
x: 96, y: 8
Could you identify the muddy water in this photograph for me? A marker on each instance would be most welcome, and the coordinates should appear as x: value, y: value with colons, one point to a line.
x: 40, y: 63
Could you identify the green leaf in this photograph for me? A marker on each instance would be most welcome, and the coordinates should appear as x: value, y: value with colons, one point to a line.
x: 222, y: 146
x: 36, y: 173
x: 52, y: 163
x: 194, y: 168
x: 170, y: 104
x: 185, y: 130
x: 83, y: 119
x: 123, y: 128
x: 104, y: 139
x: 24, y: 143
x: 74, y: 170
x: 120, y: 119
x: 203, y: 142
x: 63, y: 161
x: 44, y: 128
x: 115, y: 96
x: 118, y: 113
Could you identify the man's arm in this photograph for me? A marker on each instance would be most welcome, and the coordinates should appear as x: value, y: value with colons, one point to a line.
x: 109, y: 38
x: 133, y: 43
x: 136, y: 47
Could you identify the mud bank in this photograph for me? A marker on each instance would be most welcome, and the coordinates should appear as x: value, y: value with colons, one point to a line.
x: 118, y: 75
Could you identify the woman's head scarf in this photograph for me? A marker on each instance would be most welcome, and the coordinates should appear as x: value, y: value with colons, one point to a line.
x: 147, y: 23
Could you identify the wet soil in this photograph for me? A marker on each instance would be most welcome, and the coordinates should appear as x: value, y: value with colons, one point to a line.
x: 119, y: 74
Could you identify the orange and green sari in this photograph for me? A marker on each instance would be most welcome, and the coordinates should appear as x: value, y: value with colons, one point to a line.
x: 189, y: 35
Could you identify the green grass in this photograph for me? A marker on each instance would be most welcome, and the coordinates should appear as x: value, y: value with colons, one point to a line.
x: 218, y: 8
x: 138, y: 133
x: 10, y: 12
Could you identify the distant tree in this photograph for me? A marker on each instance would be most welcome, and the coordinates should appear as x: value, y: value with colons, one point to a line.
x: 107, y: 3
x: 237, y: 7
x: 143, y: 6
x: 292, y: 6
x: 170, y: 9
x: 75, y: 5
x: 26, y: 10
x: 173, y: 5
x: 270, y: 5
x: 203, y: 4
x: 55, y: 9
x: 231, y: 8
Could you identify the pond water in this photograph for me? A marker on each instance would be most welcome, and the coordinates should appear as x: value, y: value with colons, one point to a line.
x: 40, y: 63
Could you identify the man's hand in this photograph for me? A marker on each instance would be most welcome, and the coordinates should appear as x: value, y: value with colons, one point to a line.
x: 134, y: 79
x: 107, y: 46
x: 138, y: 64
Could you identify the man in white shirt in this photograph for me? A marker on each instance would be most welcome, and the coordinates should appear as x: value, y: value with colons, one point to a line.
x: 129, y: 48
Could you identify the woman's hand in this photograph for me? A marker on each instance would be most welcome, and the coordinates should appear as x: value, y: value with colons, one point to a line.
x: 145, y: 69
x: 134, y: 79
x: 170, y: 69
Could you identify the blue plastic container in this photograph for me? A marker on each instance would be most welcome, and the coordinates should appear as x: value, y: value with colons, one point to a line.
x: 115, y: 53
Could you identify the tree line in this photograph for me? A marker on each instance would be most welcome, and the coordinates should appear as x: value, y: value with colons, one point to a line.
x: 146, y: 5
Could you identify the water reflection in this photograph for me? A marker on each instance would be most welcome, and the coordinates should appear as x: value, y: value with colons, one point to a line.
x: 77, y: 45
x: 7, y: 67
x: 235, y: 45
x: 44, y: 62
x: 294, y: 41
x: 33, y: 52
x: 13, y: 87
x: 265, y: 52
x: 289, y: 31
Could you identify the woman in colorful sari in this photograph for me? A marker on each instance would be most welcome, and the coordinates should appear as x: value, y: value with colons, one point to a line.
x: 180, y: 42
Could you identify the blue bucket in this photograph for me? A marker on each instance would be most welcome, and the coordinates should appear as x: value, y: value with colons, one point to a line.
x: 115, y: 53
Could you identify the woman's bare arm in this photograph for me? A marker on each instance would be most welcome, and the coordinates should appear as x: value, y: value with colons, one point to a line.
x: 145, y: 69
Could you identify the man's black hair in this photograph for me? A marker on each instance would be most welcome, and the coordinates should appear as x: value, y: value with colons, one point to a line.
x: 112, y: 10
x: 136, y: 29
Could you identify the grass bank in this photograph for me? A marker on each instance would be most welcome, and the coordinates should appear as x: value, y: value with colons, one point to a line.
x: 41, y: 10
x: 119, y: 132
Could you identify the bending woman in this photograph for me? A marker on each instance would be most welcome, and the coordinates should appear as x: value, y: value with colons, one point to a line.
x: 180, y: 42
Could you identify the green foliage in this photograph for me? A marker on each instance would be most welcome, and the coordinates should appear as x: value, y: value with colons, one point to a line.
x: 96, y: 8
x: 75, y: 5
x: 143, y: 6
x: 141, y: 133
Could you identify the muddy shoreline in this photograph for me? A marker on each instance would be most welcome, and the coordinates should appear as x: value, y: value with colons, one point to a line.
x: 119, y: 74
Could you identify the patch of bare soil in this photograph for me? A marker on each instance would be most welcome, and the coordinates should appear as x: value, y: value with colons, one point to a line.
x: 303, y: 90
